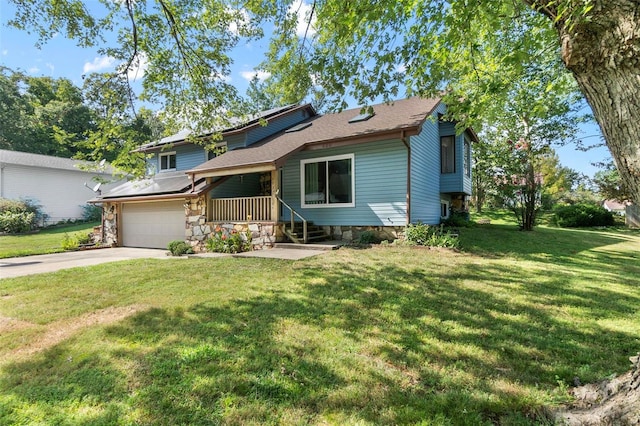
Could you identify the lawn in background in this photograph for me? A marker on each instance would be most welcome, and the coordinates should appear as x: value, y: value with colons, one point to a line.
x: 46, y: 241
x: 388, y: 335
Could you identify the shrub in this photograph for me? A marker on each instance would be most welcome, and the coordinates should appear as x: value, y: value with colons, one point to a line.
x: 228, y: 241
x: 582, y: 215
x: 178, y: 248
x: 18, y: 216
x: 369, y: 237
x: 432, y: 236
x: 69, y: 242
x: 15, y: 223
x: 458, y: 220
x: 91, y: 213
x: 73, y: 241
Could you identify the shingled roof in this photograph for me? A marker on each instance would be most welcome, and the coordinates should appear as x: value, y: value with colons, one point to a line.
x: 404, y: 117
x: 48, y: 161
x: 236, y: 124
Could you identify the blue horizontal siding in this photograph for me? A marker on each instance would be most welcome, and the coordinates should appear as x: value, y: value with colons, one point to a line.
x: 380, y: 186
x: 275, y: 125
x: 425, y: 171
x: 455, y: 182
x: 187, y: 157
x: 238, y: 186
x: 235, y: 141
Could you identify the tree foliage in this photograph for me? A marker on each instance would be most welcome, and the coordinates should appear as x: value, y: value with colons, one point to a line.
x: 35, y: 109
x: 609, y: 184
x: 50, y: 116
x: 472, y: 52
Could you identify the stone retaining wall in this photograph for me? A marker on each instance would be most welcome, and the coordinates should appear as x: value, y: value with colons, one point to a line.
x: 263, y: 234
x: 352, y: 233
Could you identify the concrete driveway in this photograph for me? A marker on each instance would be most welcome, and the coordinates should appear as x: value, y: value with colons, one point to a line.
x: 28, y: 265
x: 19, y: 266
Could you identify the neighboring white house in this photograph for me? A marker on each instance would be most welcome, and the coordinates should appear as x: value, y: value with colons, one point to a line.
x: 57, y: 184
x: 615, y: 206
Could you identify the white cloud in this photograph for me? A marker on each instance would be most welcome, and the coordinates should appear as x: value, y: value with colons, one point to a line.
x: 262, y: 75
x: 303, y: 10
x: 242, y: 21
x: 98, y: 64
x: 33, y: 70
x: 5, y: 52
x: 138, y: 66
x: 50, y: 66
x: 401, y: 68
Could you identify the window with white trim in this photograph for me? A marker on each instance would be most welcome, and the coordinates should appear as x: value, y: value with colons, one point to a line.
x: 444, y: 209
x: 327, y: 182
x: 167, y: 161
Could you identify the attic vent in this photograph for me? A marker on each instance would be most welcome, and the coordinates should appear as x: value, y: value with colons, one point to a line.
x: 361, y: 117
x: 298, y: 127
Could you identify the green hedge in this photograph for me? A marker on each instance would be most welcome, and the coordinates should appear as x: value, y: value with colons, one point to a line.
x: 582, y: 216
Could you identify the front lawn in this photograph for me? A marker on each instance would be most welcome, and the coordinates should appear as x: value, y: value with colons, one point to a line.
x: 46, y: 241
x: 388, y: 335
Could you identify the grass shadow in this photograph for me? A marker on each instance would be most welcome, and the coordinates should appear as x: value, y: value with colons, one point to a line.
x: 379, y: 336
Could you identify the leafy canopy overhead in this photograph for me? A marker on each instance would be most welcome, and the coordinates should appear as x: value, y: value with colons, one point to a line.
x: 470, y: 51
x: 349, y: 49
x: 182, y: 47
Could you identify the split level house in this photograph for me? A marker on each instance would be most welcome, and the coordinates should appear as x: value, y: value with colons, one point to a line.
x: 299, y: 177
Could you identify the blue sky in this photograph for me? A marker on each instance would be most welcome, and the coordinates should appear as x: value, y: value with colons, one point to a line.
x: 61, y: 58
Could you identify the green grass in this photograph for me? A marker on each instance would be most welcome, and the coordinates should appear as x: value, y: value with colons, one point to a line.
x: 43, y: 242
x: 388, y: 335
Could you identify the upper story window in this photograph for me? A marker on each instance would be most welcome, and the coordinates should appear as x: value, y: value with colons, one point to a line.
x: 448, y: 154
x: 328, y: 181
x: 167, y: 161
x: 467, y: 157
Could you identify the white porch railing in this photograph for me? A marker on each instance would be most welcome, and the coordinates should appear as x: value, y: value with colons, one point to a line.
x: 241, y: 209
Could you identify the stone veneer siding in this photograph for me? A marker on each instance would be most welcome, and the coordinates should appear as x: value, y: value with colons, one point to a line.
x: 352, y: 233
x: 264, y: 234
x: 110, y: 224
x: 198, y: 230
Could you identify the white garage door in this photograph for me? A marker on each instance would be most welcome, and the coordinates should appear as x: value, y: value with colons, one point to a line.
x: 152, y: 225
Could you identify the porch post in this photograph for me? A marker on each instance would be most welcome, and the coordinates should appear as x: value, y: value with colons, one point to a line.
x: 275, y: 185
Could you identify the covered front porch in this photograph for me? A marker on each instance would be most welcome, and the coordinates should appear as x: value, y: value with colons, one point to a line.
x: 248, y: 203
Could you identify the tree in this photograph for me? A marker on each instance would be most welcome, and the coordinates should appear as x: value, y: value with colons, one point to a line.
x: 120, y: 129
x: 34, y: 109
x: 558, y: 182
x: 14, y: 112
x: 609, y: 184
x: 258, y: 97
x: 366, y: 51
x: 369, y: 50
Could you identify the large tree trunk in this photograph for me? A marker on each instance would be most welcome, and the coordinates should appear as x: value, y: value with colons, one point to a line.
x: 603, y: 53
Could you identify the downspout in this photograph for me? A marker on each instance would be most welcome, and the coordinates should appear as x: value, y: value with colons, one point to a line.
x: 403, y: 138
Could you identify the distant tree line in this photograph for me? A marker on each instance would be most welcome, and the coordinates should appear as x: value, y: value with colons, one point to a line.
x: 53, y: 116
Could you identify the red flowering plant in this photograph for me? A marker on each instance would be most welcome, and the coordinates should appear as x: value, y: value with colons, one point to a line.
x: 224, y: 240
